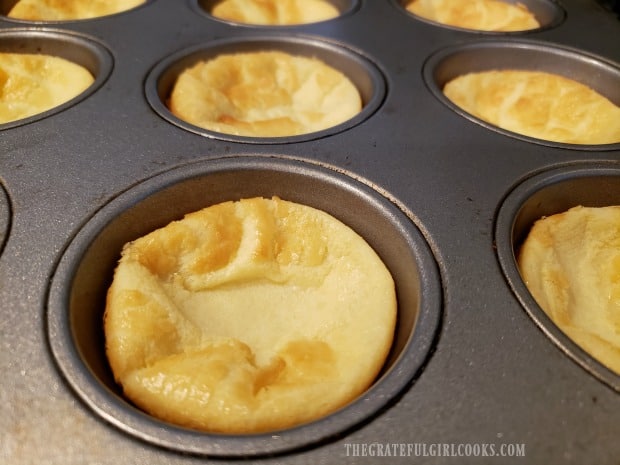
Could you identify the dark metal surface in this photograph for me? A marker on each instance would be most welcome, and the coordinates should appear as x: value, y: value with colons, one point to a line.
x: 492, y: 374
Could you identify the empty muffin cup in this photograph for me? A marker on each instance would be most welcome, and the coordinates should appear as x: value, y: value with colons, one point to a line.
x: 594, y: 72
x: 547, y: 13
x: 75, y: 48
x: 544, y: 194
x: 362, y: 73
x: 78, y: 290
x: 263, y: 18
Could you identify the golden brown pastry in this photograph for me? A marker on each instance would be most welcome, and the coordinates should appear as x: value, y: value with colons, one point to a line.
x: 264, y: 94
x: 275, y: 12
x: 480, y: 15
x: 248, y: 316
x: 31, y: 84
x: 537, y: 104
x: 570, y: 262
x: 64, y: 10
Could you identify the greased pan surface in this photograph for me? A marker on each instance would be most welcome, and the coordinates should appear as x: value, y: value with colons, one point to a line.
x: 474, y: 362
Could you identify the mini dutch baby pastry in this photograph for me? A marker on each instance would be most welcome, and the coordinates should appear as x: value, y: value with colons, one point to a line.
x: 31, y: 84
x: 537, y: 104
x: 479, y: 15
x: 275, y: 12
x: 264, y: 94
x: 248, y: 316
x: 67, y: 10
x: 570, y: 262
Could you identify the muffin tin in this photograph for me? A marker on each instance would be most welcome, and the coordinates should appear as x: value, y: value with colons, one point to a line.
x: 444, y: 199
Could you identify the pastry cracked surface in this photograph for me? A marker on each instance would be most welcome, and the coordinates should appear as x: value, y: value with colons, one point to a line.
x: 248, y: 316
x: 275, y: 12
x: 537, y: 104
x: 570, y: 262
x: 33, y: 83
x: 264, y: 94
x: 481, y: 15
x: 65, y: 10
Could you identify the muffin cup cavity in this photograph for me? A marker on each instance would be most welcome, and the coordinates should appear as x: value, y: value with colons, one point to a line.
x: 344, y: 7
x: 78, y: 290
x: 545, y: 194
x: 76, y: 48
x: 362, y: 72
x: 595, y: 72
x: 548, y: 13
x: 5, y: 217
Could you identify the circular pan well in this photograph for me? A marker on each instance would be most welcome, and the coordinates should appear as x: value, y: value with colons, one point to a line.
x: 595, y: 72
x: 344, y: 7
x: 548, y: 193
x: 7, y: 5
x: 84, y: 273
x: 77, y: 48
x: 5, y: 217
x: 360, y: 70
x: 548, y: 13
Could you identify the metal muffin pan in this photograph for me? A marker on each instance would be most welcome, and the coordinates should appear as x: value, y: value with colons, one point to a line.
x: 548, y: 13
x: 435, y: 194
x: 82, y: 50
x: 344, y: 7
x: 595, y: 72
x: 79, y: 287
x: 365, y: 75
x: 547, y: 193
